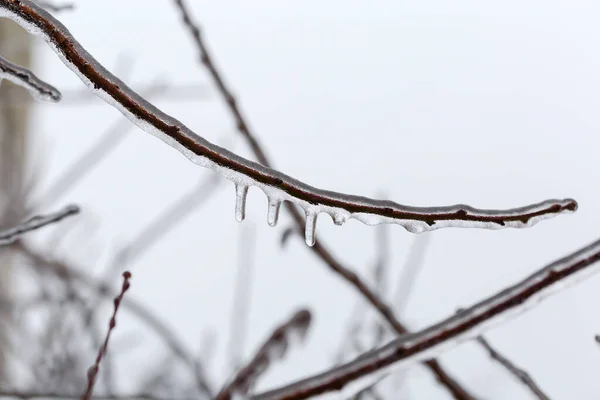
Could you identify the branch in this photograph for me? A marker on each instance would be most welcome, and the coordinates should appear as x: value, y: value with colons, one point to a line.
x: 457, y: 391
x: 245, y: 173
x: 23, y: 77
x: 169, y: 337
x: 93, y: 370
x: 56, y: 7
x: 10, y: 235
x: 274, y: 349
x: 27, y: 395
x: 518, y: 373
x: 430, y: 342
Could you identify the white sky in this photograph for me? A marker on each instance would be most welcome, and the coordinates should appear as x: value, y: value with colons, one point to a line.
x: 431, y: 102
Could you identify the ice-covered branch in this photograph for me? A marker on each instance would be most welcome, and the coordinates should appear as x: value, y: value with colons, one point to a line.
x: 245, y: 173
x: 273, y: 349
x: 517, y: 372
x: 56, y: 7
x: 9, y: 235
x: 465, y: 325
x: 23, y: 77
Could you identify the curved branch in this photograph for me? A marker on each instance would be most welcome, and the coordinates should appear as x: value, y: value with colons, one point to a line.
x: 430, y: 342
x: 23, y: 77
x: 244, y: 173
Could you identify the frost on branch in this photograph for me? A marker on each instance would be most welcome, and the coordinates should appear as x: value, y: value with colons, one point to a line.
x: 430, y: 342
x: 245, y: 173
x: 23, y: 77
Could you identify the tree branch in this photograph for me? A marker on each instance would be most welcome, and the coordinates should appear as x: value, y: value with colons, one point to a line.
x: 443, y: 377
x: 10, y: 235
x: 517, y: 372
x: 23, y: 77
x: 273, y: 349
x: 244, y: 173
x: 467, y: 324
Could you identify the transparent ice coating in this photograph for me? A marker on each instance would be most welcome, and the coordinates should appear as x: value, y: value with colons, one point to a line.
x: 467, y: 324
x: 23, y: 77
x: 245, y: 173
x: 8, y: 236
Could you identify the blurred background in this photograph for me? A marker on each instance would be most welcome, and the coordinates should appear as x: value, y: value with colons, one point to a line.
x: 425, y: 103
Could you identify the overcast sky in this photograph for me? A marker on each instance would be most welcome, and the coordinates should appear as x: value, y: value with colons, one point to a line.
x: 430, y: 102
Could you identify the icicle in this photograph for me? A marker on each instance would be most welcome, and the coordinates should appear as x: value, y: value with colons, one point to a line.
x: 311, y: 226
x: 339, y: 219
x: 273, y: 212
x: 241, y: 191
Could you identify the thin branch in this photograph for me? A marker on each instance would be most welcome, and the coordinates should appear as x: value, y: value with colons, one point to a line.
x: 430, y: 342
x: 29, y: 395
x: 56, y: 7
x: 94, y: 369
x: 170, y: 339
x: 443, y: 377
x: 242, y: 296
x: 408, y: 276
x: 23, y: 77
x: 279, y: 187
x: 10, y: 235
x: 517, y: 372
x: 273, y: 349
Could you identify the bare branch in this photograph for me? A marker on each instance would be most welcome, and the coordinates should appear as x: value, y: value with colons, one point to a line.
x: 23, y: 77
x: 170, y: 339
x: 430, y: 342
x: 10, y: 235
x: 274, y: 349
x: 244, y: 173
x: 93, y: 371
x: 517, y: 372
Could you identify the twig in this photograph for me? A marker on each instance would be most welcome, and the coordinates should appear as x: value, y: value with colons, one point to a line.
x: 23, y: 77
x: 457, y: 391
x: 56, y: 7
x: 273, y: 349
x: 169, y: 337
x: 242, y: 296
x: 430, y: 342
x: 279, y: 187
x: 93, y: 371
x: 10, y: 235
x: 518, y: 373
x: 410, y: 270
x: 28, y: 395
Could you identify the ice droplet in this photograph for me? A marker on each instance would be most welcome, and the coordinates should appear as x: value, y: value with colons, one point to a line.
x: 339, y: 219
x: 310, y: 228
x: 241, y: 192
x: 273, y: 212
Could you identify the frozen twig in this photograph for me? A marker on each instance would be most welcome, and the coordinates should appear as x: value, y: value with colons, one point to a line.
x: 273, y: 349
x: 445, y: 379
x: 518, y: 373
x: 29, y: 395
x: 8, y: 236
x: 93, y: 370
x: 56, y: 7
x: 245, y: 173
x: 430, y: 342
x: 23, y: 77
